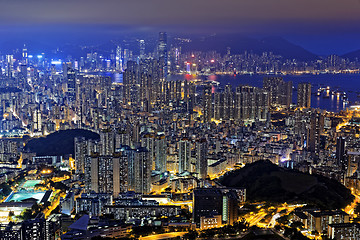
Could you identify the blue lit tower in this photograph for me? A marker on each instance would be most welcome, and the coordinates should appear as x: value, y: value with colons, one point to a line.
x: 25, y: 55
x: 118, y: 60
x: 142, y: 48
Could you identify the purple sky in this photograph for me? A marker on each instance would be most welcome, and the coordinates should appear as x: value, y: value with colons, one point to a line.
x: 315, y: 24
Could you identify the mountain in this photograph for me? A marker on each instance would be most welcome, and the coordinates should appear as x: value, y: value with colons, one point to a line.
x: 58, y: 143
x: 352, y: 55
x: 239, y: 44
x: 265, y: 181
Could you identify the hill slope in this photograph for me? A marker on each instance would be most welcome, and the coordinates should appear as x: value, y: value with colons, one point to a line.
x: 240, y: 44
x: 352, y: 55
x: 265, y: 181
x: 58, y: 143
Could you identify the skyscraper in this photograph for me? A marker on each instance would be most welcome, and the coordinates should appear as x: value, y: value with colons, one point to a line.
x: 142, y: 171
x: 118, y: 59
x: 304, y: 95
x: 251, y: 103
x: 201, y: 158
x: 37, y: 120
x: 107, y: 140
x: 25, y: 55
x: 148, y: 142
x: 9, y: 65
x: 131, y: 80
x: 106, y: 174
x: 184, y: 155
x: 162, y: 52
x: 160, y: 153
x: 340, y: 152
x: 280, y: 91
x: 71, y: 83
x: 315, y: 131
x: 142, y: 48
x: 207, y: 103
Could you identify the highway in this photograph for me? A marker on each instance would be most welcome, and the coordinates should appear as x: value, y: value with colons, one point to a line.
x: 163, y: 236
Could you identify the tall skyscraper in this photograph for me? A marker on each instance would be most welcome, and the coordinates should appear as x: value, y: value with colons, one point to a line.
x: 315, y: 131
x: 340, y: 152
x: 139, y: 169
x: 201, y: 148
x: 148, y: 142
x: 184, y: 155
x: 280, y: 91
x: 142, y: 48
x: 107, y: 140
x: 118, y: 58
x: 160, y: 153
x: 106, y: 174
x: 251, y: 104
x: 9, y: 65
x: 131, y: 80
x: 207, y: 103
x: 163, y: 53
x: 80, y: 154
x: 142, y: 171
x: 228, y: 102
x: 304, y: 95
x: 71, y: 83
x: 25, y: 55
x: 37, y: 120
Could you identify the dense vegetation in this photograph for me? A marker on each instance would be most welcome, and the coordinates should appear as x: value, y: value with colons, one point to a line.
x: 265, y: 181
x: 59, y: 143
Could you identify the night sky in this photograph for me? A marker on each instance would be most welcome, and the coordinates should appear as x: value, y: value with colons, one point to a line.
x: 321, y: 26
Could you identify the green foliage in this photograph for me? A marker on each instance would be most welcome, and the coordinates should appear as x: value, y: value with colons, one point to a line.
x: 147, y: 230
x: 26, y: 214
x: 191, y: 235
x: 297, y: 225
x: 284, y: 220
x: 11, y: 214
x: 59, y: 185
x: 5, y: 189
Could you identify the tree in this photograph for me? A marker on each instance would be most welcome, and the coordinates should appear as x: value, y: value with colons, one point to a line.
x: 26, y: 214
x: 297, y: 224
x: 11, y: 214
x: 191, y: 235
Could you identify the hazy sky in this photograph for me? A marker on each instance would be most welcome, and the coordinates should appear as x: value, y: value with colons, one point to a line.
x: 316, y: 24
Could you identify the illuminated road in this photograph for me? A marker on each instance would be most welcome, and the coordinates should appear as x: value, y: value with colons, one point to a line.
x: 255, y: 218
x: 163, y: 236
x: 350, y: 208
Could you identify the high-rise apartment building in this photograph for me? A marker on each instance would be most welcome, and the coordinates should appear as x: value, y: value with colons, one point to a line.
x: 106, y: 174
x: 184, y: 155
x: 304, y: 95
x: 163, y: 53
x: 201, y: 148
x: 280, y: 91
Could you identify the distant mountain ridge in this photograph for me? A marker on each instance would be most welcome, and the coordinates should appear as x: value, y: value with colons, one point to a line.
x: 240, y: 44
x: 352, y: 55
x: 216, y: 42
